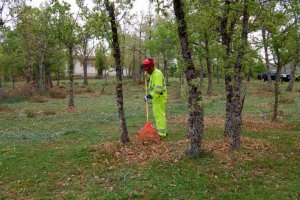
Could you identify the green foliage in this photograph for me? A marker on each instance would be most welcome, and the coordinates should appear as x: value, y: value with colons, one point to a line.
x: 11, y: 58
x: 258, y: 67
x: 101, y: 60
x: 63, y: 23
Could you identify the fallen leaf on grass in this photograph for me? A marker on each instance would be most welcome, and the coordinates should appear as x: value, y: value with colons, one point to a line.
x: 138, y: 153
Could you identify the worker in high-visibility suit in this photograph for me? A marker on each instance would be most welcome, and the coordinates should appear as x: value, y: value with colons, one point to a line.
x: 157, y: 92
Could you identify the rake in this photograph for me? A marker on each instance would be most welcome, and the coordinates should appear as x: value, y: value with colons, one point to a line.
x: 148, y: 132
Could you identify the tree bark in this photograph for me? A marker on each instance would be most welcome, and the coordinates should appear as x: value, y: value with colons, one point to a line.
x: 201, y: 70
x: 71, y: 77
x: 268, y: 68
x: 226, y: 41
x: 294, y: 66
x: 84, y: 61
x: 208, y: 63
x: 133, y: 64
x: 218, y: 72
x: 57, y: 79
x: 13, y: 81
x: 297, y: 53
x: 293, y: 73
x: 48, y: 82
x: 42, y: 86
x: 85, y: 77
x: 196, y: 114
x: 117, y: 55
x: 166, y: 68
x: 277, y: 79
x: 237, y: 101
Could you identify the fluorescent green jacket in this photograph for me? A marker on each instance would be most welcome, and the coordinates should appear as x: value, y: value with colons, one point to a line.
x: 157, y: 86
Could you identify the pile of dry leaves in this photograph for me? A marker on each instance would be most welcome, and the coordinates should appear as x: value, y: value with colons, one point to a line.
x: 137, y: 152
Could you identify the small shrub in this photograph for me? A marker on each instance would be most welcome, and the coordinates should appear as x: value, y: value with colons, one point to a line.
x: 90, y: 89
x: 14, y: 99
x: 26, y: 91
x: 3, y: 95
x: 30, y: 114
x: 57, y: 94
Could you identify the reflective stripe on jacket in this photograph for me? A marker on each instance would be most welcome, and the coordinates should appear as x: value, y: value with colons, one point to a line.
x: 157, y: 87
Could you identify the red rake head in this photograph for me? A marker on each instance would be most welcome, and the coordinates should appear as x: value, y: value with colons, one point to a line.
x: 148, y: 133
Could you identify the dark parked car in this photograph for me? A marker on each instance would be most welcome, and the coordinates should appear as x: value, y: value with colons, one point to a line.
x: 283, y: 77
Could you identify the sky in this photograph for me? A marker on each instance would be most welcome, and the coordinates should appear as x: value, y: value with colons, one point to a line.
x: 138, y: 6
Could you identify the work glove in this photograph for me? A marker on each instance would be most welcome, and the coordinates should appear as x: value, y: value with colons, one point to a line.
x: 148, y: 97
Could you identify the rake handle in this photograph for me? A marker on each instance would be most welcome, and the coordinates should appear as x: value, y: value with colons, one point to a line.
x: 147, y: 108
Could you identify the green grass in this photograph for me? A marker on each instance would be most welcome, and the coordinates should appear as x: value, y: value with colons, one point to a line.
x: 48, y: 156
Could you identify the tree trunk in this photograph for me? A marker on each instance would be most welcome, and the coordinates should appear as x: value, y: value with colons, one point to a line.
x: 48, y: 81
x: 218, y: 72
x: 209, y: 66
x: 237, y: 101
x: 201, y: 71
x: 85, y: 60
x: 85, y: 77
x: 57, y: 78
x: 292, y: 81
x: 226, y: 41
x: 42, y: 86
x: 13, y: 81
x: 196, y: 114
x: 294, y: 66
x: 166, y: 68
x: 71, y: 77
x: 133, y: 64
x: 277, y: 79
x: 117, y: 55
x: 268, y: 68
x: 30, y: 71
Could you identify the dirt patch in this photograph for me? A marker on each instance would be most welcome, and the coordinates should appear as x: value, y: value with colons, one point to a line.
x: 250, y: 123
x: 4, y: 109
x: 142, y: 153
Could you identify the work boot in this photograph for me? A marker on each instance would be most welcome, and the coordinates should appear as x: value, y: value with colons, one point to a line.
x: 162, y: 135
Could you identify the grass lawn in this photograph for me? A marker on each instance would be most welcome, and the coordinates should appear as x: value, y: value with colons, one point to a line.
x: 50, y: 152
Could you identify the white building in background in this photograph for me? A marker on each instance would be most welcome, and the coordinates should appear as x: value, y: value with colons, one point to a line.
x: 91, y: 69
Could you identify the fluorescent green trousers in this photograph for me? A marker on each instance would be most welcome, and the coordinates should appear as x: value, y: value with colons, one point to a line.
x: 159, y: 113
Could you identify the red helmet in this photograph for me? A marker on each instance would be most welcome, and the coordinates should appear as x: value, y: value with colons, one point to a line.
x: 148, y: 64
